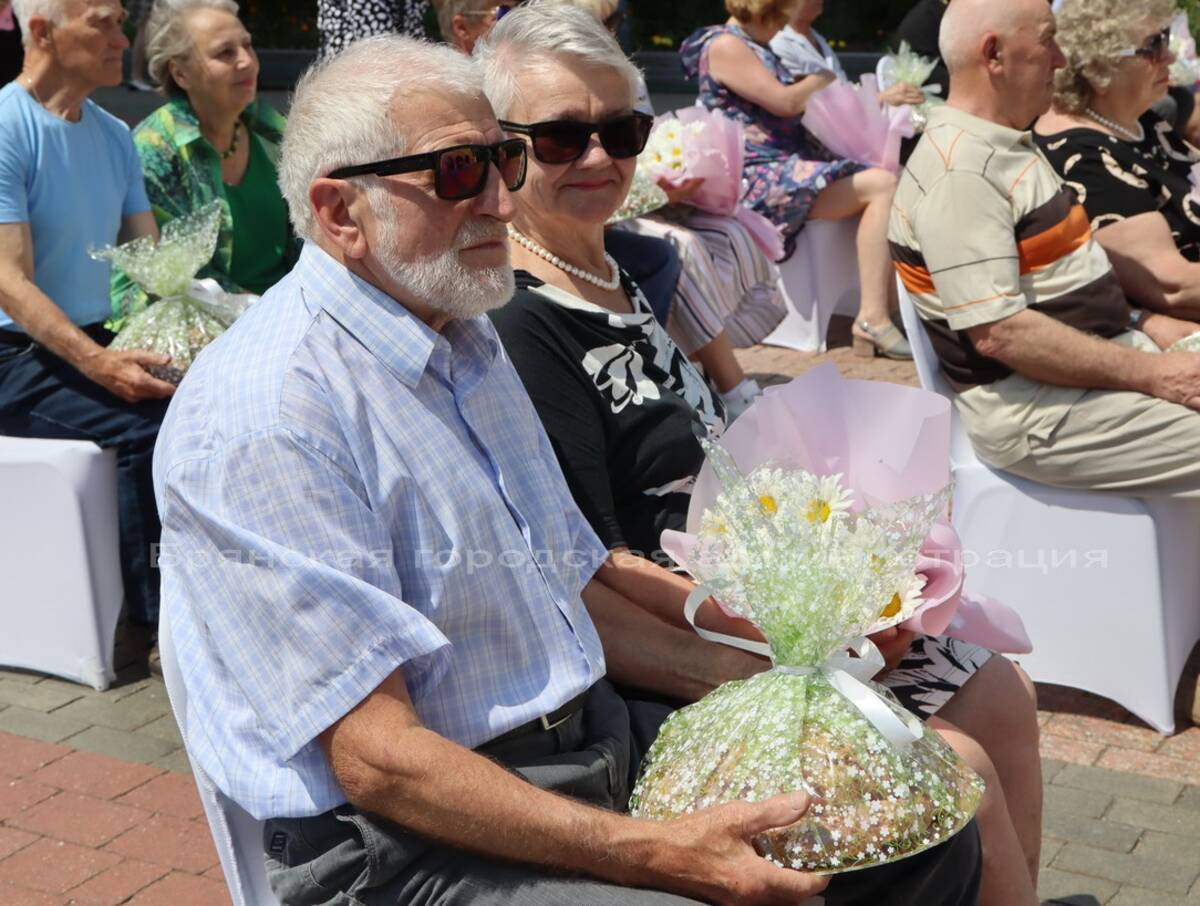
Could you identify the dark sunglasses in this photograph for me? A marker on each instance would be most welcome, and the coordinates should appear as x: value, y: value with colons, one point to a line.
x: 562, y: 141
x: 1155, y: 48
x: 500, y: 10
x: 459, y: 172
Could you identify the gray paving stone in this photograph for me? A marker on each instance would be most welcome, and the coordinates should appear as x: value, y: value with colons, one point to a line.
x: 1062, y: 800
x: 36, y: 725
x: 22, y: 676
x: 1093, y: 831
x: 164, y: 728
x: 1170, y: 819
x: 36, y: 696
x: 1055, y: 884
x: 121, y: 745
x: 1050, y: 848
x: 128, y: 713
x: 1118, y: 783
x: 1050, y: 769
x: 1124, y: 868
x: 174, y: 761
x: 1190, y: 797
x: 1139, y: 896
x: 1170, y: 848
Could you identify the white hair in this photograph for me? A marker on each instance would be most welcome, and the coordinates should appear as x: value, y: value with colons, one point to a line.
x: 544, y: 31
x: 343, y: 111
x: 24, y: 10
x: 169, y: 38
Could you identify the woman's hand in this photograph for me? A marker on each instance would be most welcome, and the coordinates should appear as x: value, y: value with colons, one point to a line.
x: 681, y: 192
x: 902, y: 93
x: 893, y: 644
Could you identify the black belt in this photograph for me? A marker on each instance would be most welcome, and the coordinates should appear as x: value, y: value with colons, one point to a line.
x: 545, y: 722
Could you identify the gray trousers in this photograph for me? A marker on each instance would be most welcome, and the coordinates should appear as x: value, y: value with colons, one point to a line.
x: 349, y: 858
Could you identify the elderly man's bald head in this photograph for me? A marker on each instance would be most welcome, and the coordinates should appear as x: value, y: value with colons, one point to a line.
x: 967, y: 23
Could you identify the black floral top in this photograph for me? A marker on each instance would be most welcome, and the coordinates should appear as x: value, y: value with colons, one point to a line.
x: 1116, y: 179
x: 623, y: 407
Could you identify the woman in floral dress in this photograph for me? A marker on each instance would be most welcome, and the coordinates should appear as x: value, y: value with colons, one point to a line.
x: 790, y: 176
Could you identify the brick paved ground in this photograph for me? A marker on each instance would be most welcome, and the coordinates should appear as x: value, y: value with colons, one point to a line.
x: 97, y: 807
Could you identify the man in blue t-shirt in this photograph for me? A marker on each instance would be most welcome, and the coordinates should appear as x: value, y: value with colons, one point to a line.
x: 70, y: 180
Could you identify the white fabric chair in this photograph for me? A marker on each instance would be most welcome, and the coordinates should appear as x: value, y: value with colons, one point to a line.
x: 237, y: 835
x: 59, y: 556
x: 1108, y: 586
x: 818, y: 281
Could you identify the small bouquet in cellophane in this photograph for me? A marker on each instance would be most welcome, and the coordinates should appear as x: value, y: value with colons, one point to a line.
x: 783, y: 549
x: 851, y: 122
x: 189, y: 314
x: 698, y: 144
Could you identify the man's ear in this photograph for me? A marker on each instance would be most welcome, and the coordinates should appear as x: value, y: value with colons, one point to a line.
x: 461, y: 32
x: 39, y: 32
x: 333, y: 206
x: 991, y: 51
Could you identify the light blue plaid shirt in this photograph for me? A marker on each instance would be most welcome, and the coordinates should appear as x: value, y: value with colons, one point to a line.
x: 344, y: 491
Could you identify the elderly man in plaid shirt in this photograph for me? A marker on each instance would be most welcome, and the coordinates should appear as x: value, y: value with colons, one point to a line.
x: 377, y: 583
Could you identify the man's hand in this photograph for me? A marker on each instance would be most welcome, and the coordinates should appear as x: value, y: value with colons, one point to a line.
x: 902, y: 93
x: 123, y: 373
x: 681, y: 192
x: 710, y: 855
x: 1165, y: 330
x: 893, y: 643
x: 1175, y: 377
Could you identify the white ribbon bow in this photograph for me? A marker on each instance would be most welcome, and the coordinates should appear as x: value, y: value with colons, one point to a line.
x: 847, y: 674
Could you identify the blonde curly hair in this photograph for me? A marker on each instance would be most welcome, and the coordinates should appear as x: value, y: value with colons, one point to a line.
x: 761, y: 10
x: 1091, y: 33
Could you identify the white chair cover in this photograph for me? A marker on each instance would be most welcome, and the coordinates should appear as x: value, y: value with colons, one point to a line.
x: 62, y: 592
x: 818, y: 281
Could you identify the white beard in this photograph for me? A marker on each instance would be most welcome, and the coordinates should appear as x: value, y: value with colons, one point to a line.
x: 442, y: 282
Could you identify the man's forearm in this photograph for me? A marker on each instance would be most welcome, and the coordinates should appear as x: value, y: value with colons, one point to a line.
x: 44, y: 322
x: 1039, y: 347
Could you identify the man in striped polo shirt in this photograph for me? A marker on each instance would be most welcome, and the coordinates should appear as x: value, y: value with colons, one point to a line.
x: 1058, y: 378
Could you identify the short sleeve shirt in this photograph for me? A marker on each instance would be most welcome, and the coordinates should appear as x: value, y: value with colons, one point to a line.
x: 982, y: 228
x: 1116, y: 179
x: 802, y: 57
x: 72, y: 182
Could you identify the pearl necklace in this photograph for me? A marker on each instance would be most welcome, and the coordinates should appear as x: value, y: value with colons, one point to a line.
x: 612, y: 283
x: 1134, y: 137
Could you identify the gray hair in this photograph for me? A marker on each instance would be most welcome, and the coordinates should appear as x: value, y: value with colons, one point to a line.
x: 447, y: 9
x: 24, y: 10
x: 343, y: 112
x: 168, y: 37
x: 543, y: 31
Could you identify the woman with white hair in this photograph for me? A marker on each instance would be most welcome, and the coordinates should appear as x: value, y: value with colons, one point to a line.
x: 625, y: 411
x: 213, y: 140
x: 1130, y: 169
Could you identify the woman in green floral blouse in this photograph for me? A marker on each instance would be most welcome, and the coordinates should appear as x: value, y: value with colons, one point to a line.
x: 213, y: 139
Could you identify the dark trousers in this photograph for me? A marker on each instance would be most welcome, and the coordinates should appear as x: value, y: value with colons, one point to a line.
x: 43, y: 396
x: 348, y: 858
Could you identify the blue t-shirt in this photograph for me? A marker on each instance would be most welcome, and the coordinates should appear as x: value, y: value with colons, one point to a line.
x: 72, y: 183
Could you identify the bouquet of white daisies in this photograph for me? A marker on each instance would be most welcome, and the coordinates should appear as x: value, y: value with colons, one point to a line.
x: 793, y: 553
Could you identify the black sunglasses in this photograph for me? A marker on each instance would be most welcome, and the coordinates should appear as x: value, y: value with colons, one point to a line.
x: 459, y: 172
x: 1154, y: 49
x: 562, y: 141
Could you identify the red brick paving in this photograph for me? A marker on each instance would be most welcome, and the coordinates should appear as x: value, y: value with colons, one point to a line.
x: 85, y: 829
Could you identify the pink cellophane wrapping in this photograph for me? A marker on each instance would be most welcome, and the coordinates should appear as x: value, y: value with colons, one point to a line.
x: 849, y: 120
x: 889, y: 442
x: 6, y: 16
x: 715, y: 153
